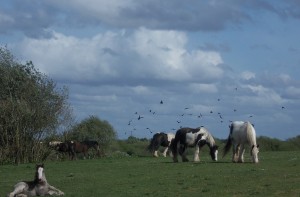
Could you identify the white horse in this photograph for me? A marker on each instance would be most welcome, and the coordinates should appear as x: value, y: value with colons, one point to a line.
x: 189, y: 137
x: 242, y: 133
x: 161, y: 139
x: 38, y: 187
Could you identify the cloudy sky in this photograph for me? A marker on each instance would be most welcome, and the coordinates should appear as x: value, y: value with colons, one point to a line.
x: 209, y: 62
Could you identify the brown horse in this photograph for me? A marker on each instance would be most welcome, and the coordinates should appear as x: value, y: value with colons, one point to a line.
x: 73, y: 147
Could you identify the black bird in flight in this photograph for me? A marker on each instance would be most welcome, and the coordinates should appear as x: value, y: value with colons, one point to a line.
x: 161, y: 102
x: 129, y: 122
x: 149, y: 129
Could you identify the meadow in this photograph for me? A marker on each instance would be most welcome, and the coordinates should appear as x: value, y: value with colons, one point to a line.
x: 277, y: 174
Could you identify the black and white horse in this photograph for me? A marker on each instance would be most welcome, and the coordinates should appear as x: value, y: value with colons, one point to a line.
x: 38, y: 187
x: 190, y: 137
x: 161, y: 139
x: 241, y: 133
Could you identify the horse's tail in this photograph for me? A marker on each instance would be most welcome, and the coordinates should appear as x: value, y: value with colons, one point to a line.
x: 228, y: 143
x: 173, y: 146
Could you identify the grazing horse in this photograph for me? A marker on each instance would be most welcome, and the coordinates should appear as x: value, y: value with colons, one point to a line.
x: 190, y: 137
x: 38, y: 187
x: 92, y: 144
x: 73, y: 147
x: 65, y: 147
x: 241, y: 133
x: 161, y: 139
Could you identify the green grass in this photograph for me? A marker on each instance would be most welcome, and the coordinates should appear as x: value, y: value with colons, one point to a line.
x: 277, y: 174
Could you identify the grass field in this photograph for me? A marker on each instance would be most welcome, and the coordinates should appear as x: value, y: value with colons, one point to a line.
x: 277, y: 174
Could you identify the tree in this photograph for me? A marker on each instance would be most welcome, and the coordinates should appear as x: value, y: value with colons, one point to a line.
x: 31, y: 108
x: 93, y: 128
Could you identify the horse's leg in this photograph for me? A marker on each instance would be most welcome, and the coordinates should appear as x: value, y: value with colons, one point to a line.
x: 182, y: 152
x: 235, y: 150
x: 73, y: 155
x: 155, y: 153
x: 84, y: 154
x: 165, y: 152
x: 53, y: 190
x: 241, y: 153
x: 170, y: 152
x: 18, y: 189
x: 196, y: 154
x: 175, y: 152
x: 97, y: 148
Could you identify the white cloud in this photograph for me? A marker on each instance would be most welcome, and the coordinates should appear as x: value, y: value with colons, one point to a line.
x: 285, y: 78
x: 293, y: 92
x: 4, y: 18
x: 145, y: 54
x: 142, y: 90
x: 263, y: 96
x: 95, y: 98
x: 203, y: 88
x: 247, y: 75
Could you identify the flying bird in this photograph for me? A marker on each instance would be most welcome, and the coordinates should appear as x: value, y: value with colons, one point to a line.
x: 129, y: 122
x: 161, y: 102
x: 149, y: 129
x: 140, y: 117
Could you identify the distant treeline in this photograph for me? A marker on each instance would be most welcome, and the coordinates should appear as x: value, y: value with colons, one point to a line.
x: 273, y: 144
x: 136, y: 146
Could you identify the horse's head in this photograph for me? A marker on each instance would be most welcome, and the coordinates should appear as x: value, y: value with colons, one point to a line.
x: 214, y: 152
x: 254, y: 153
x: 39, y: 175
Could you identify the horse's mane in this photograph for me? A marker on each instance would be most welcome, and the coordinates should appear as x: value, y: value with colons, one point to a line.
x: 251, y: 135
x: 209, y: 137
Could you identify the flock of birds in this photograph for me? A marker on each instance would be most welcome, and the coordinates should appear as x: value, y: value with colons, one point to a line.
x: 134, y: 121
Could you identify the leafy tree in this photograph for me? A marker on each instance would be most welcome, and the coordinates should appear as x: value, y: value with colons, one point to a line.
x: 31, y: 108
x: 93, y: 128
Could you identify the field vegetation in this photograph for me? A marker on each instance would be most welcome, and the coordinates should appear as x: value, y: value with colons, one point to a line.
x: 277, y: 174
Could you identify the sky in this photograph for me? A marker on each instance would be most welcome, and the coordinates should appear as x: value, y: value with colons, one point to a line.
x: 149, y: 66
